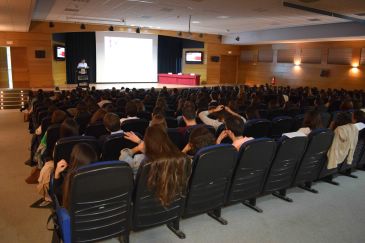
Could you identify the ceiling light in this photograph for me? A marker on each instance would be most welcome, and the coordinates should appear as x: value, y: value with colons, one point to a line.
x: 195, y: 22
x: 223, y: 17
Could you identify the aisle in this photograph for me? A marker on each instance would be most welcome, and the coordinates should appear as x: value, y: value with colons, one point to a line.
x: 18, y: 222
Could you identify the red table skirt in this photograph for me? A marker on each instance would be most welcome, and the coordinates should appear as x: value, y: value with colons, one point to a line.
x: 179, y: 79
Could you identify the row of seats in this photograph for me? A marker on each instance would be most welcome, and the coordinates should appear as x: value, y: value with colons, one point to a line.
x: 102, y: 193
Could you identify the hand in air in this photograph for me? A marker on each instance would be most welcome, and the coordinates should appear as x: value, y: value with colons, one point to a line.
x: 131, y: 136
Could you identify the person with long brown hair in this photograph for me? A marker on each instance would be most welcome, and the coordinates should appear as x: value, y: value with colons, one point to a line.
x: 82, y: 154
x: 169, y: 167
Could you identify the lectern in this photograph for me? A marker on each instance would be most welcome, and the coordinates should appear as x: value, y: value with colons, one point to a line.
x: 83, y: 77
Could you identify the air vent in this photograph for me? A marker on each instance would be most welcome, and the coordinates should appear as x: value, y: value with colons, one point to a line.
x: 71, y: 10
x: 360, y: 14
x: 309, y: 1
x: 166, y: 9
x: 314, y: 20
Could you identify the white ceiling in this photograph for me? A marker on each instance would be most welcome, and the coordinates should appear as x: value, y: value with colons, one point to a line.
x: 213, y: 16
x: 16, y: 15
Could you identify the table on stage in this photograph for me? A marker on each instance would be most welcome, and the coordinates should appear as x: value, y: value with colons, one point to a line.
x: 186, y: 79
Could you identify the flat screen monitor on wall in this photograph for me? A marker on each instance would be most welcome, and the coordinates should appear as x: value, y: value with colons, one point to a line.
x: 194, y: 57
x: 59, y: 53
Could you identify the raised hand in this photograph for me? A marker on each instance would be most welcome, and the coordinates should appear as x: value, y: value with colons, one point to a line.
x: 61, y: 166
x: 131, y: 136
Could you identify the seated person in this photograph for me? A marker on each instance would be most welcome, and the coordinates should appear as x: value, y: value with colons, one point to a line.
x: 112, y: 125
x: 155, y: 147
x: 97, y: 116
x: 82, y: 154
x: 200, y: 137
x: 158, y: 120
x: 252, y: 113
x: 221, y: 112
x: 130, y: 111
x: 189, y: 116
x: 358, y: 118
x: 344, y: 141
x: 234, y: 130
x: 312, y: 120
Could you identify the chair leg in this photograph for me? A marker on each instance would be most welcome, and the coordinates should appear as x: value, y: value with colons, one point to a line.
x: 349, y: 174
x: 308, y: 187
x: 175, y: 228
x: 329, y: 179
x: 251, y: 203
x: 216, y: 214
x: 282, y: 195
x: 124, y: 238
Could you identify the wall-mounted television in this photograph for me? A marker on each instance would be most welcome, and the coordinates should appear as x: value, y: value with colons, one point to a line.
x: 59, y: 53
x: 194, y: 57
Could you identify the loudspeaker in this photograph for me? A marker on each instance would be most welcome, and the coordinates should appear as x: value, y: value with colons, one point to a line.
x: 325, y: 73
x: 214, y: 58
x: 40, y: 54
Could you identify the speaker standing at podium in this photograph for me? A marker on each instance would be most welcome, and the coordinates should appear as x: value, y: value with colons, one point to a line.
x: 83, y: 73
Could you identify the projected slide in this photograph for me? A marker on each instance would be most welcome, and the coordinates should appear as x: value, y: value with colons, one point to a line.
x: 124, y: 57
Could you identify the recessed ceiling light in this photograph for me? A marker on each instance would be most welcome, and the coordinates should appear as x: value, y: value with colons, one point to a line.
x: 195, y: 22
x: 223, y: 17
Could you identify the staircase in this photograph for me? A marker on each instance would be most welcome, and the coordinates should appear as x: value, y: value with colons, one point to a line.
x: 13, y: 98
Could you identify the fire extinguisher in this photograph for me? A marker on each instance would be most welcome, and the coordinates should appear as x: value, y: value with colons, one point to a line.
x: 273, y: 81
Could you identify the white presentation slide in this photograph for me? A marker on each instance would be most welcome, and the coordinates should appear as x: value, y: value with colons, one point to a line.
x: 126, y: 57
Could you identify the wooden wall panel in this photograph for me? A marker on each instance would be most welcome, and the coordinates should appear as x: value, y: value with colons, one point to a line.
x: 214, y: 68
x: 20, y: 70
x: 4, y: 77
x: 228, y: 69
x: 341, y: 76
x: 200, y: 69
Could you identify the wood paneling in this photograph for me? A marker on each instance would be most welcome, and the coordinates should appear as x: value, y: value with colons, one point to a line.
x: 228, y: 69
x: 339, y: 56
x: 20, y: 70
x: 200, y: 69
x: 341, y: 76
x: 4, y: 77
x: 214, y: 68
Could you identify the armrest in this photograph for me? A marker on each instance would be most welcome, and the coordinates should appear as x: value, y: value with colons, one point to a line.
x: 65, y: 224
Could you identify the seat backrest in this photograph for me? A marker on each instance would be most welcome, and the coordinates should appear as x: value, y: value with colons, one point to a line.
x: 285, y: 163
x: 254, y: 161
x: 112, y: 146
x: 82, y: 121
x: 53, y: 134
x: 326, y: 119
x: 64, y: 146
x: 298, y: 122
x: 257, y: 128
x: 96, y: 130
x: 171, y: 122
x: 213, y: 168
x: 176, y: 137
x: 46, y: 122
x: 135, y: 125
x: 147, y: 210
x: 100, y: 200
x: 358, y: 153
x: 314, y: 157
x: 280, y: 125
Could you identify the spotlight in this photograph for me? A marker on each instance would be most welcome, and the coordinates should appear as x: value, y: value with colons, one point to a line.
x: 51, y: 24
x: 111, y: 28
x: 201, y: 35
x: 237, y: 38
x: 179, y: 33
x: 138, y: 30
x: 82, y: 26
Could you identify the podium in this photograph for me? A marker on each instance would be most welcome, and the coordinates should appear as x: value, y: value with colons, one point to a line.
x: 83, y: 77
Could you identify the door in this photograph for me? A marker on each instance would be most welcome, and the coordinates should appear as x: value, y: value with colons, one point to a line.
x: 229, y: 69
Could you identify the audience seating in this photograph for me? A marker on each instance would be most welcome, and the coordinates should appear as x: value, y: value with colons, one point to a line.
x: 148, y: 211
x: 171, y: 122
x: 97, y: 130
x: 135, y: 125
x: 64, y: 146
x: 254, y: 161
x: 280, y: 125
x: 213, y: 168
x: 83, y: 121
x: 284, y: 166
x: 257, y: 128
x: 112, y: 146
x: 298, y: 121
x: 176, y: 137
x: 326, y: 119
x: 313, y: 159
x: 100, y: 201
